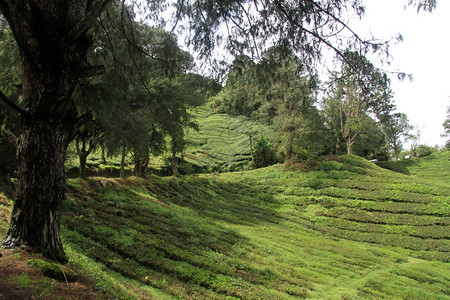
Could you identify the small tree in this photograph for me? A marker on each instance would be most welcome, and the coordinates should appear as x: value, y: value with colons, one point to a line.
x: 446, y: 126
x: 86, y: 142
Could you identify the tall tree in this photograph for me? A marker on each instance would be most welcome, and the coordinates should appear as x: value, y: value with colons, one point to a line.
x: 54, y: 38
x: 358, y: 93
x: 396, y: 128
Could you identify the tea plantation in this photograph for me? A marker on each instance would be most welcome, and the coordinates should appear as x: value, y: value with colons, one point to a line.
x: 334, y: 228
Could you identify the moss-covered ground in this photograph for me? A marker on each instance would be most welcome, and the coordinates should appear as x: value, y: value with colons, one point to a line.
x: 334, y: 228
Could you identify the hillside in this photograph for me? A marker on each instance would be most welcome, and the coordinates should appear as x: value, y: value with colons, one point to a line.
x: 434, y: 167
x: 223, y: 141
x: 337, y: 228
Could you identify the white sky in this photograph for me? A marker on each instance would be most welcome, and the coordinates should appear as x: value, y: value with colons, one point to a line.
x: 424, y: 52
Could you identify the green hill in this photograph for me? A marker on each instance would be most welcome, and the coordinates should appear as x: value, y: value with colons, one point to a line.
x: 338, y: 228
x: 223, y: 141
x: 433, y: 167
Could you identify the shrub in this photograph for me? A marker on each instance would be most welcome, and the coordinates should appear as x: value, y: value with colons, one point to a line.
x: 263, y: 153
x: 422, y: 151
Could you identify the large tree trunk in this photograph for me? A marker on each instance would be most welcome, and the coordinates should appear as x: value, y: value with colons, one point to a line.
x: 140, y: 167
x: 46, y: 131
x: 35, y: 219
x: 53, y: 42
x: 141, y: 160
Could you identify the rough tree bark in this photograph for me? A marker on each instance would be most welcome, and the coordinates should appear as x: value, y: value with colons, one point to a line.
x: 53, y: 41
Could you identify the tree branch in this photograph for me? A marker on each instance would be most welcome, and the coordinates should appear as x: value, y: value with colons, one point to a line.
x: 80, y: 121
x: 92, y: 71
x: 314, y: 34
x: 13, y: 105
x: 10, y: 137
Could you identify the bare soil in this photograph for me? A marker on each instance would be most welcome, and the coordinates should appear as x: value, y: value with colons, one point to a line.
x: 18, y: 281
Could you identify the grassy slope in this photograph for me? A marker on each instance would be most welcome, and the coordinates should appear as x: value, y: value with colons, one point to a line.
x: 338, y: 228
x: 222, y: 142
x: 433, y: 167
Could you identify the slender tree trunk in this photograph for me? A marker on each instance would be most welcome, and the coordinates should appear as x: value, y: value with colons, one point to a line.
x: 339, y: 146
x: 395, y: 149
x: 83, y: 158
x: 103, y: 155
x: 122, y: 162
x: 83, y: 154
x: 349, y: 145
x: 174, y: 164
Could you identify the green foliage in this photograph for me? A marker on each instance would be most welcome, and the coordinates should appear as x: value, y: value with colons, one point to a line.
x: 5, y: 209
x: 446, y: 126
x: 277, y: 91
x: 397, y: 128
x: 263, y: 153
x: 422, y: 151
x: 43, y: 287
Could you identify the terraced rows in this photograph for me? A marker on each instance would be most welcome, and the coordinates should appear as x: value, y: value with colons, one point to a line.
x: 333, y: 229
x: 222, y: 143
x: 398, y: 211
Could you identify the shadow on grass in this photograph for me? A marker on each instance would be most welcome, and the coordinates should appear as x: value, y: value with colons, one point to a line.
x: 233, y: 202
x: 401, y: 166
x: 154, y: 228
